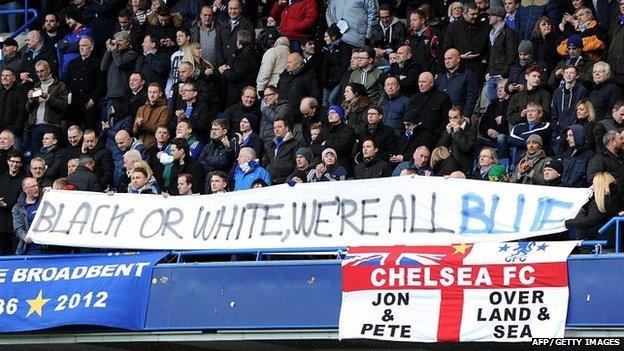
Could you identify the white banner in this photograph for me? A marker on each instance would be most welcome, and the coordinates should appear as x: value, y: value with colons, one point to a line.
x: 387, y: 211
x: 501, y: 292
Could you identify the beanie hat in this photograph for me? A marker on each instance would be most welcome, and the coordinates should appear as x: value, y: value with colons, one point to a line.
x: 497, y: 173
x: 306, y: 153
x: 525, y: 47
x: 536, y: 138
x: 411, y: 116
x: 328, y: 150
x: 75, y: 15
x: 575, y: 41
x: 496, y: 11
x: 253, y: 120
x: 338, y: 110
x: 556, y: 165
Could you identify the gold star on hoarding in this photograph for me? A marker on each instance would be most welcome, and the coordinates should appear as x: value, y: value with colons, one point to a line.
x: 460, y: 248
x: 36, y: 305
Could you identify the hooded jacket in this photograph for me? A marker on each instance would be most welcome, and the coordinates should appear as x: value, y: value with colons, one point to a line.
x: 243, y: 180
x: 390, y: 37
x: 563, y: 107
x: 575, y: 160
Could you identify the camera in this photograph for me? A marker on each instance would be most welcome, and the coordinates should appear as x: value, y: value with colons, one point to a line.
x: 37, y: 93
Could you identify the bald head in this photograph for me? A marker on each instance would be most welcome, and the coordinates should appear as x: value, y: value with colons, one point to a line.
x: 123, y: 140
x: 425, y: 82
x: 34, y: 39
x: 282, y: 41
x: 293, y: 61
x: 451, y: 59
x: 404, y: 54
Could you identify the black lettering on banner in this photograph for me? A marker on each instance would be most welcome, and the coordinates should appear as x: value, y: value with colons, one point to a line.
x: 382, y: 329
x: 320, y: 220
x: 432, y: 228
x: 201, y: 229
x: 85, y: 210
x: 391, y: 299
x: 96, y: 214
x: 160, y: 212
x: 169, y: 222
x: 511, y: 331
x: 254, y: 207
x: 344, y: 215
x: 119, y: 217
x: 398, y: 199
x: 268, y: 217
x: 365, y: 216
x: 228, y: 225
x: 303, y: 225
x: 240, y: 223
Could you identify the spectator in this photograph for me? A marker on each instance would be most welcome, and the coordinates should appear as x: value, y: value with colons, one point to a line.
x: 358, y: 19
x: 493, y: 126
x: 11, y: 58
x: 511, y: 12
x: 534, y: 125
x: 295, y: 82
x: 615, y: 52
x: 564, y: 103
x: 248, y: 104
x: 530, y: 11
x: 458, y: 83
x: 616, y: 122
x: 604, y: 204
x: 217, y: 154
x: 517, y: 75
x: 185, y: 185
x: 605, y: 93
x: 104, y: 166
x: 132, y: 28
x: 273, y: 64
x: 406, y: 70
x: 312, y: 60
x: 312, y: 114
x: 72, y: 165
x: 586, y: 117
x: 530, y: 169
x: 83, y: 177
x: 296, y: 18
x: 273, y: 107
x: 206, y: 32
x: 503, y: 45
x: 125, y: 142
x: 131, y: 159
x: 583, y: 25
x: 470, y: 37
x: 372, y: 166
x: 383, y: 135
x: 12, y: 105
x: 53, y: 156
x: 118, y: 63
x: 553, y: 173
x: 10, y: 185
x: 188, y: 9
x: 327, y: 169
x: 152, y: 115
x: 218, y: 182
x: 68, y: 47
x: 46, y: 104
x: 394, y: 106
x: 485, y: 161
x: 336, y: 57
x: 247, y: 170
x: 140, y: 182
x: 23, y: 213
x: 241, y: 69
x: 87, y: 85
x: 280, y: 155
x: 162, y: 25
x: 136, y: 96
x: 517, y: 112
x: 544, y: 41
x: 7, y: 145
x: 411, y: 138
x: 246, y: 137
x: 36, y: 51
x: 456, y: 137
x: 607, y: 158
x: 182, y: 163
x: 153, y: 64
x: 356, y: 103
x: 388, y: 34
x: 368, y: 74
x: 419, y: 162
x: 431, y: 107
x: 228, y: 40
x: 576, y: 158
x: 183, y: 38
x: 573, y: 58
x: 423, y: 41
x: 184, y: 129
x: 442, y: 162
x: 197, y: 112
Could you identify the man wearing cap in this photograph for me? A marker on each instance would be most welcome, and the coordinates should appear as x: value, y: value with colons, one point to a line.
x: 303, y: 165
x: 503, y: 46
x: 576, y: 157
x: 564, y: 101
x: 526, y: 58
x: 68, y: 47
x: 553, y: 173
x: 338, y: 136
x: 10, y: 57
x: 530, y: 169
x: 574, y: 57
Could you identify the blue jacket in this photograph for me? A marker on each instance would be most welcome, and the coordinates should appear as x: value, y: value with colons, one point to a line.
x: 521, y: 132
x: 68, y: 47
x: 360, y: 17
x: 243, y: 181
x: 118, y: 158
x: 461, y: 86
x: 530, y: 11
x: 575, y: 160
x: 410, y: 164
x: 393, y: 110
x: 20, y: 223
x: 563, y: 107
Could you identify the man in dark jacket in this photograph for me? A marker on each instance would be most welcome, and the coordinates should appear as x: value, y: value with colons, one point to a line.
x: 470, y: 37
x: 217, y: 154
x: 228, y: 35
x: 248, y: 104
x: 564, y: 101
x: 280, y: 156
x: 516, y: 111
x: 137, y: 94
x: 615, y: 52
x: 503, y: 45
x: 12, y: 103
x: 410, y: 140
x: 526, y: 58
x: 616, y: 123
x: 10, y: 189
x: 382, y: 134
x: 35, y: 51
x: 388, y: 34
x: 241, y: 69
x: 311, y: 113
x: 576, y: 158
x: 295, y: 83
x: 87, y: 85
x: 605, y: 93
x: 53, y: 156
x: 153, y: 64
x: 457, y: 138
x: 165, y: 30
x: 182, y: 163
x: 458, y: 83
x: 338, y: 136
x: 206, y: 32
x: 607, y: 159
x: 104, y: 166
x: 197, y: 112
x: 406, y: 71
x: 431, y: 106
x: 372, y: 166
x: 83, y: 177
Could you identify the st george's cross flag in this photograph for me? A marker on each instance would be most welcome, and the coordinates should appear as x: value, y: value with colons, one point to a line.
x: 501, y: 292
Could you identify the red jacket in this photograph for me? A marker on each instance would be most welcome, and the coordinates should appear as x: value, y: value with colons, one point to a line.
x: 297, y: 19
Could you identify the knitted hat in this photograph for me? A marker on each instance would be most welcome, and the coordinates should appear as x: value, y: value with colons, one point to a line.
x: 253, y: 120
x: 525, y: 47
x: 536, y: 138
x: 338, y: 110
x: 556, y: 165
x: 496, y: 11
x: 411, y: 117
x: 75, y: 15
x: 497, y: 173
x: 575, y: 41
x: 326, y: 151
x: 306, y: 153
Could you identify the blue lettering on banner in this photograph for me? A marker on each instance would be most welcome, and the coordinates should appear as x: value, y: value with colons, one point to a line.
x: 103, y: 290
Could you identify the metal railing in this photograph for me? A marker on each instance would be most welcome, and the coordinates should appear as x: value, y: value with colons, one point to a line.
x: 27, y: 21
x: 618, y: 232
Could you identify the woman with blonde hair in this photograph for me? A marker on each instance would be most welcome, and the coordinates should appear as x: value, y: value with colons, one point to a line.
x: 586, y: 117
x: 604, y: 204
x: 442, y: 162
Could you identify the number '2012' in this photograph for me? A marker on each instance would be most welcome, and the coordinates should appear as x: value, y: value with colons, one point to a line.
x: 86, y: 300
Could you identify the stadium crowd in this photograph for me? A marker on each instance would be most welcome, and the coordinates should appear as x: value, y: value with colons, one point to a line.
x: 189, y: 97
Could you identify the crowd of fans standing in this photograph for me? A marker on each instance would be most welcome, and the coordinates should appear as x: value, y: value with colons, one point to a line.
x: 186, y: 97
